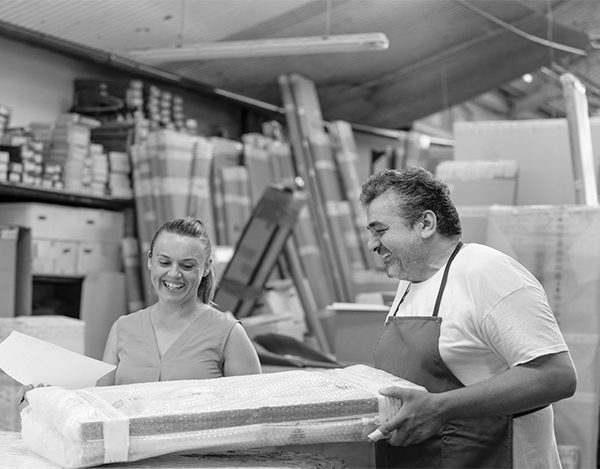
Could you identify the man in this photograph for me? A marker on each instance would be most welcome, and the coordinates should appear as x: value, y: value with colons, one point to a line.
x: 472, y: 326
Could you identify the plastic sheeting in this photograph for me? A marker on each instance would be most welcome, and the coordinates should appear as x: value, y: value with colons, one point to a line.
x: 131, y: 422
x: 15, y: 455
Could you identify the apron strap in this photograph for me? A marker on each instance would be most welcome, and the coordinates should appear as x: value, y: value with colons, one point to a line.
x: 438, y: 300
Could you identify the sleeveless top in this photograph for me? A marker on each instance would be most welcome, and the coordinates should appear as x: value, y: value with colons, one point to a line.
x: 196, y: 354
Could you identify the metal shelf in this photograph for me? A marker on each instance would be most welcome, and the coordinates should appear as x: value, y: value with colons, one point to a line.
x: 57, y: 278
x: 14, y: 192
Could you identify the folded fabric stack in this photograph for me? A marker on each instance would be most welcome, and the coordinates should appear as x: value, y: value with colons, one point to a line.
x: 101, y: 425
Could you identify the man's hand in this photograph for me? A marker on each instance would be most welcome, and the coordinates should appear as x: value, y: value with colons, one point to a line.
x: 418, y: 419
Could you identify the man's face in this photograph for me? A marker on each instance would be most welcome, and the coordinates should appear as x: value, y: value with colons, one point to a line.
x: 399, y: 245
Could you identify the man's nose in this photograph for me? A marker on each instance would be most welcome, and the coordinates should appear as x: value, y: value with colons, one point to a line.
x: 373, y: 243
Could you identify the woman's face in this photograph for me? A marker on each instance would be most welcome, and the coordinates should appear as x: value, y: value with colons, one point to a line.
x: 177, y: 266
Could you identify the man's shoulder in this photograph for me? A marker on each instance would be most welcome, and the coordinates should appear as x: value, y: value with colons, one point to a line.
x: 482, y: 256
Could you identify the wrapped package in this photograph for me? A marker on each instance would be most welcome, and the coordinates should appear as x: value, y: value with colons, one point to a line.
x: 92, y: 426
x: 15, y: 455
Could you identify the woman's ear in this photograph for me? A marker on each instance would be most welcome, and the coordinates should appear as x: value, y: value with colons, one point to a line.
x: 207, y: 267
x: 149, y: 260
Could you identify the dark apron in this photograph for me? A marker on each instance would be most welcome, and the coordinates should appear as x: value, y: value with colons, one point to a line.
x: 408, y: 348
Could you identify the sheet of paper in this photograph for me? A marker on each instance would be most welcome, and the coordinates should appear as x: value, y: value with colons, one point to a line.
x: 33, y: 361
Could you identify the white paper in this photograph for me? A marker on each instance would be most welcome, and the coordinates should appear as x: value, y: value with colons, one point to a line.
x: 33, y: 361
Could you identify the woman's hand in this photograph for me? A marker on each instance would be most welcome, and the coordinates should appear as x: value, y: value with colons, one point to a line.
x: 21, y: 395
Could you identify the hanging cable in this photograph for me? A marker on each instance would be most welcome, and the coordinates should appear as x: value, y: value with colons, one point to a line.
x: 444, y: 86
x: 519, y: 32
x: 550, y: 31
x: 181, y: 34
x: 328, y: 18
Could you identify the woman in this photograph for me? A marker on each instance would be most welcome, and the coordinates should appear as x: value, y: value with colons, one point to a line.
x: 181, y: 336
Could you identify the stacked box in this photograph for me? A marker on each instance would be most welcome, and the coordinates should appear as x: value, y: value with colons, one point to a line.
x: 316, y: 165
x: 99, y: 170
x: 305, y: 233
x: 540, y: 147
x: 132, y: 267
x: 5, y: 113
x: 257, y: 250
x: 68, y: 240
x: 237, y: 205
x: 282, y: 163
x: 226, y: 153
x: 200, y: 197
x: 146, y: 206
x: 312, y: 259
x: 480, y: 182
x: 473, y: 221
x: 70, y: 148
x: 15, y: 270
x: 119, y: 177
x: 4, y: 163
x: 559, y: 245
x: 346, y: 158
x: 258, y: 161
x: 170, y: 154
x: 114, y: 136
x: 21, y: 158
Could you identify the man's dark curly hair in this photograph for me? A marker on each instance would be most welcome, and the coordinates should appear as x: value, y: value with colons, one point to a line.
x: 416, y: 190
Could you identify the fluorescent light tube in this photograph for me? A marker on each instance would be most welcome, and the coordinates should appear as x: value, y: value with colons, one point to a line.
x: 266, y: 47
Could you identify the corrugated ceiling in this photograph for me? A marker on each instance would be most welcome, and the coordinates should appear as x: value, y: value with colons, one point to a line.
x: 442, y: 52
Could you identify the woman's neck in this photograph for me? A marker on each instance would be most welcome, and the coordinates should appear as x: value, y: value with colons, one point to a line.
x: 166, y: 312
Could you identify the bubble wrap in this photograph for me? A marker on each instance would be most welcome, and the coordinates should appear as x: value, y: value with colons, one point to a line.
x: 14, y: 455
x: 93, y: 426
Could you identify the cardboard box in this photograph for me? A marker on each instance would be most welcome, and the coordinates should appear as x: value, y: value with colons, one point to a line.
x: 357, y: 330
x: 97, y: 256
x: 473, y: 220
x: 59, y: 222
x: 15, y: 271
x: 54, y: 257
x: 58, y: 330
x: 480, y: 182
x: 103, y: 300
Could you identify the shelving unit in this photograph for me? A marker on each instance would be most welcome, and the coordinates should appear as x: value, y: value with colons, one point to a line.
x: 13, y: 192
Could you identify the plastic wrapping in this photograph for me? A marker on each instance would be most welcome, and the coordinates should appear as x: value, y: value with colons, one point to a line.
x: 131, y: 422
x: 14, y: 455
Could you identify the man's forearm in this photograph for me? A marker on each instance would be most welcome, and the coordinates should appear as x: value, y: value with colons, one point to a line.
x: 521, y: 388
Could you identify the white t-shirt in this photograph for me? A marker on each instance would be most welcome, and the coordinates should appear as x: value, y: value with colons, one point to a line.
x: 495, y: 315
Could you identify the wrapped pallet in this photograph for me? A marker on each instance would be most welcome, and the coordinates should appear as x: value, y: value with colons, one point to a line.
x: 101, y: 425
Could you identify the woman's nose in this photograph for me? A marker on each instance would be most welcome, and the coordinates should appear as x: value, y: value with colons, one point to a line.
x: 174, y: 270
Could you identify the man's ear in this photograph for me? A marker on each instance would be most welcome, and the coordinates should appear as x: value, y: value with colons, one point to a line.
x: 429, y: 224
